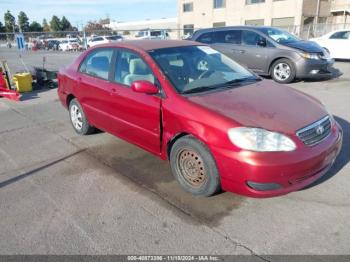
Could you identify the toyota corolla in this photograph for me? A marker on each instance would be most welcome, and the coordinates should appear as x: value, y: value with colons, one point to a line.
x: 220, y: 126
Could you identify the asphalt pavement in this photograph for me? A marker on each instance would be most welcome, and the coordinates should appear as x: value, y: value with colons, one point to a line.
x: 61, y: 193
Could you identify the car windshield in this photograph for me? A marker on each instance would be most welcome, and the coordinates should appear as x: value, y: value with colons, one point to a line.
x: 194, y: 69
x: 280, y: 36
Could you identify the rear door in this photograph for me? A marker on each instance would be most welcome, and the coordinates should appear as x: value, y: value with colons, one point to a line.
x: 136, y: 116
x: 93, y: 90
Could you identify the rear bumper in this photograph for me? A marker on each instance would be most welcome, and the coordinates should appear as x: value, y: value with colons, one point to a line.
x: 291, y: 171
x: 314, y: 69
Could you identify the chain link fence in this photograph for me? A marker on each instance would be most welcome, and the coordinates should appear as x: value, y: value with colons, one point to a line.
x: 42, y: 38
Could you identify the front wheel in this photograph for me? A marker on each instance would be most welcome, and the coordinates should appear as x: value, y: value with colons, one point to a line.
x: 78, y: 119
x: 283, y: 71
x: 194, y: 167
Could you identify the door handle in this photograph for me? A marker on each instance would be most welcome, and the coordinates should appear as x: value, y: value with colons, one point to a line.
x: 238, y: 51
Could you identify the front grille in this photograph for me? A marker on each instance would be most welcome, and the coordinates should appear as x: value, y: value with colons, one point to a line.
x: 316, y: 132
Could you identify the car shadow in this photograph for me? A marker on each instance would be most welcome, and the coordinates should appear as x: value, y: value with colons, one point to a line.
x: 343, y: 157
x: 37, y: 89
x: 336, y: 73
x: 155, y: 175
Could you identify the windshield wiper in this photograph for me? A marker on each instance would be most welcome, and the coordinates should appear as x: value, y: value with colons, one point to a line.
x: 240, y: 80
x: 231, y: 83
x: 199, y: 89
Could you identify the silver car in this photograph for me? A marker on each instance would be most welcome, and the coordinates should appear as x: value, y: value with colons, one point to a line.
x: 269, y: 51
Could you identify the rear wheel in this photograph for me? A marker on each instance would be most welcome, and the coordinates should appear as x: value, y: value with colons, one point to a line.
x: 283, y: 71
x: 78, y: 119
x: 194, y: 167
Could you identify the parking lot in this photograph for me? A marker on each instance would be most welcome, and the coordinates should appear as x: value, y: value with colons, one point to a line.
x: 61, y: 193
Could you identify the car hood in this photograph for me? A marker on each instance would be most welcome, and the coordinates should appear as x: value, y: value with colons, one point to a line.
x: 306, y: 46
x: 265, y: 104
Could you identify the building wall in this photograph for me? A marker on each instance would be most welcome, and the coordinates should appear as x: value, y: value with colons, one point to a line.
x: 284, y: 13
x: 170, y: 24
x: 340, y: 11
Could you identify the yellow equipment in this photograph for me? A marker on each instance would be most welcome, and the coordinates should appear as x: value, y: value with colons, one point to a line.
x: 23, y: 82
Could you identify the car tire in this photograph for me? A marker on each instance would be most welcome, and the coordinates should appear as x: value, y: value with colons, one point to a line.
x: 283, y: 71
x: 78, y: 119
x: 194, y: 167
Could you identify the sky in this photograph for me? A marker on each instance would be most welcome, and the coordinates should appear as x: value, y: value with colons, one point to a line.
x: 82, y: 11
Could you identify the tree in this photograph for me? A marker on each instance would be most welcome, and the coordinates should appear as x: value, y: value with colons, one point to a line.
x: 55, y: 24
x: 94, y: 26
x: 35, y: 27
x: 23, y: 21
x: 46, y: 27
x: 2, y: 28
x: 65, y: 24
x: 10, y: 22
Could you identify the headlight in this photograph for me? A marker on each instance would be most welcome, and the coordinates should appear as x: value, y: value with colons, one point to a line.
x: 309, y: 56
x: 260, y: 140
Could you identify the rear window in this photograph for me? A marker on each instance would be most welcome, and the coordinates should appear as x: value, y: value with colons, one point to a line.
x: 114, y: 37
x: 206, y: 38
x: 156, y: 33
x: 97, y: 63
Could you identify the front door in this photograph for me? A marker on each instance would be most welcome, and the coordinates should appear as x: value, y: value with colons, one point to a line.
x: 136, y: 116
x: 254, y: 56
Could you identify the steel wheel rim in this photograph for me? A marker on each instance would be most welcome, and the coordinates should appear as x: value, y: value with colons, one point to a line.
x: 191, y: 167
x: 282, y: 71
x: 76, y: 117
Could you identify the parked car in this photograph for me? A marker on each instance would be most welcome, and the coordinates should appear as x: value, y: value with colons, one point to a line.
x: 97, y: 40
x: 220, y: 126
x: 69, y: 45
x: 269, y: 51
x: 53, y: 44
x: 337, y: 43
x: 152, y: 34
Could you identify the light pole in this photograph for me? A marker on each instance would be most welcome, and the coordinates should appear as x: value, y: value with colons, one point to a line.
x: 318, y: 8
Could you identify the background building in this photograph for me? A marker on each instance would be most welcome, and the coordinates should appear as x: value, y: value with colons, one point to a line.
x: 133, y: 27
x: 298, y: 16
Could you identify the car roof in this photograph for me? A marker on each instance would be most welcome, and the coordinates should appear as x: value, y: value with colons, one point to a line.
x: 150, y: 44
x: 234, y: 27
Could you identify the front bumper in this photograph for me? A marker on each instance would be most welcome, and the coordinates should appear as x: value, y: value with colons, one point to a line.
x: 292, y: 171
x: 314, y: 69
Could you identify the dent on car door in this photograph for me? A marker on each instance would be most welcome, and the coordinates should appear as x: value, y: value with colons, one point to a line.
x: 136, y: 116
x: 93, y: 89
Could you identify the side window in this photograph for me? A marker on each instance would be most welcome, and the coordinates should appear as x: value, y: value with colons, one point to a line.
x: 97, y: 39
x: 251, y: 38
x: 341, y: 35
x: 97, y: 63
x: 131, y: 67
x: 228, y: 37
x: 206, y: 38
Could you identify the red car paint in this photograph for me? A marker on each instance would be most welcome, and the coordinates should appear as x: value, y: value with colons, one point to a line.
x: 152, y: 122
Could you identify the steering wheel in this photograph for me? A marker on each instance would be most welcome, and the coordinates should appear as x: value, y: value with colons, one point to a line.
x: 207, y: 72
x: 279, y: 39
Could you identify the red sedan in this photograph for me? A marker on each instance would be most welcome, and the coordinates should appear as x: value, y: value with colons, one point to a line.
x: 220, y: 126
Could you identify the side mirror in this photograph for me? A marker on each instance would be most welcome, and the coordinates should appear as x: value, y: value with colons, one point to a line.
x: 144, y: 87
x: 262, y: 43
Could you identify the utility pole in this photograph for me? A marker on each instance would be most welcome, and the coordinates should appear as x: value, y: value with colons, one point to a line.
x: 318, y: 8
